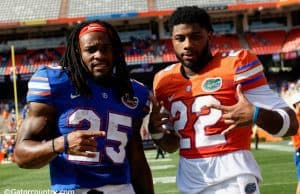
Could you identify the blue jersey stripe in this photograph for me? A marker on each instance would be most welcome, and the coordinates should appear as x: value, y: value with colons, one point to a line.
x: 254, y: 79
x: 247, y: 66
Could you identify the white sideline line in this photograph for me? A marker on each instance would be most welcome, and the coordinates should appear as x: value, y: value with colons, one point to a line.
x: 162, y: 167
x: 274, y: 147
x: 284, y: 183
x: 165, y: 179
x: 160, y: 160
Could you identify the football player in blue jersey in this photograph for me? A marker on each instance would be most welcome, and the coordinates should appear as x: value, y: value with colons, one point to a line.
x: 84, y: 117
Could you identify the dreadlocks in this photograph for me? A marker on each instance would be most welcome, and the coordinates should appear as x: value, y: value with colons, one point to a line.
x: 73, y: 64
x: 190, y: 15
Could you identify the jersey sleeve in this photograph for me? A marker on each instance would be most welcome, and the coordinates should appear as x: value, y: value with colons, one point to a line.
x: 249, y: 71
x: 143, y: 95
x: 161, y: 83
x: 157, y: 83
x: 158, y: 87
x: 39, y: 87
x: 265, y: 97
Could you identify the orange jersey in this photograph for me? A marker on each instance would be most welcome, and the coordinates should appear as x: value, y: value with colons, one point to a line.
x: 187, y: 99
x: 296, y: 138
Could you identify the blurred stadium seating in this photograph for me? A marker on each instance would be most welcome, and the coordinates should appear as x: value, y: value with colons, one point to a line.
x: 292, y: 42
x: 267, y: 42
x: 22, y: 14
x: 172, y: 4
x: 38, y: 30
x: 22, y: 10
x: 94, y: 7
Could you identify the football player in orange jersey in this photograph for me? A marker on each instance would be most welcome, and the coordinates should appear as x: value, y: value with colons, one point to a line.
x: 295, y: 101
x: 205, y: 105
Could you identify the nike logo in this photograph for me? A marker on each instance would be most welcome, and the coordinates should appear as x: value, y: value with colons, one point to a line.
x: 73, y: 96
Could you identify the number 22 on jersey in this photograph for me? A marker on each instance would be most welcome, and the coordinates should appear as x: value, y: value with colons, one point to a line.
x: 202, y: 121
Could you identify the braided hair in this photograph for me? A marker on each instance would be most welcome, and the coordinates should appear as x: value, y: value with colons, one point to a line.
x: 72, y: 62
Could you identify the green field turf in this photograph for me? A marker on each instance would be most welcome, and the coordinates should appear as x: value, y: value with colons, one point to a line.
x: 277, y: 168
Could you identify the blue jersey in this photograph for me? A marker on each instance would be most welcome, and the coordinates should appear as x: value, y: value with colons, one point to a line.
x: 100, y: 111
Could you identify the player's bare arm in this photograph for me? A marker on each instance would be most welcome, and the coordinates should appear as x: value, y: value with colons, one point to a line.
x: 242, y: 114
x: 36, y: 146
x: 167, y: 139
x: 273, y: 122
x: 138, y: 163
x: 33, y: 148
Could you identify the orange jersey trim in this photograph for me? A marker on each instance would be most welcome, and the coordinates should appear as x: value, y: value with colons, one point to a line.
x: 199, y: 126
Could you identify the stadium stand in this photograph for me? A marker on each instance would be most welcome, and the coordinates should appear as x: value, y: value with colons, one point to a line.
x: 138, y: 34
x: 139, y: 51
x: 105, y: 7
x: 22, y: 10
x: 226, y: 42
x: 137, y: 22
x: 266, y: 42
x: 30, y: 60
x: 171, y: 4
x: 292, y: 42
x: 38, y: 43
